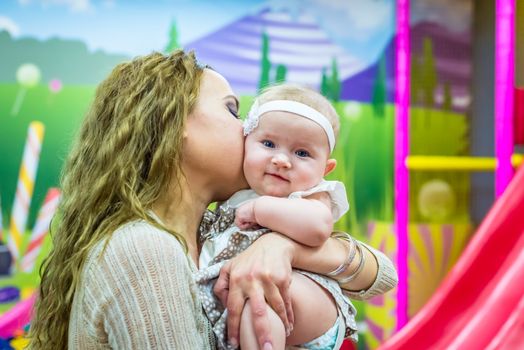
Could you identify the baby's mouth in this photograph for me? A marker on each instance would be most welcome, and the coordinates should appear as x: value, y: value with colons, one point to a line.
x: 279, y: 177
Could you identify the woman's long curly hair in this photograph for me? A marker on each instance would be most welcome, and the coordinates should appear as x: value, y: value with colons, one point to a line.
x: 128, y: 150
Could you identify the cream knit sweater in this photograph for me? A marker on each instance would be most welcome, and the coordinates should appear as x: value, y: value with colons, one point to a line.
x: 139, y: 293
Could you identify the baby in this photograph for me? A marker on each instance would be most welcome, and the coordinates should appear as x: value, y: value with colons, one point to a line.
x: 290, y: 134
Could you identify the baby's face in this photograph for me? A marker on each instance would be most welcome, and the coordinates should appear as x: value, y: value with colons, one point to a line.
x: 284, y: 154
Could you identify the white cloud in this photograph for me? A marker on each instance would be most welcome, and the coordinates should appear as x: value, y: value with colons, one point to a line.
x: 363, y: 14
x: 8, y: 24
x: 363, y: 26
x: 353, y: 19
x: 73, y: 5
x: 109, y: 3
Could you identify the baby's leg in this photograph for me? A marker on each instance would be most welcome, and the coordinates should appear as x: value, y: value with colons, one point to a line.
x: 314, y: 310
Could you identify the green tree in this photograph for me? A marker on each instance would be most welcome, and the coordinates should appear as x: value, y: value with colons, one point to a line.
x: 448, y: 99
x: 330, y: 84
x: 414, y: 81
x: 265, y: 64
x: 281, y: 73
x: 173, y: 38
x: 379, y: 89
x: 324, y: 87
x: 429, y: 74
x: 334, y: 81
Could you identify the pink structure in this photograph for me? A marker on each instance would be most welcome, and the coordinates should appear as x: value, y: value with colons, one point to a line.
x: 402, y: 85
x: 504, y: 85
x: 504, y: 142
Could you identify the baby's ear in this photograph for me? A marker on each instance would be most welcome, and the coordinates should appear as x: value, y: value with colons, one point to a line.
x: 331, y: 164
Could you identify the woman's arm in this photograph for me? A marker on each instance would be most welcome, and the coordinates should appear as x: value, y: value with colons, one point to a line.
x: 378, y: 273
x: 264, y: 270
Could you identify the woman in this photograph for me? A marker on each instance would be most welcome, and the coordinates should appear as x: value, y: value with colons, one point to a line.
x: 160, y: 143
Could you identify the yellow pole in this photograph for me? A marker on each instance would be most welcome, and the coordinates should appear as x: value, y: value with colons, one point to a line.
x: 434, y: 163
x: 517, y: 160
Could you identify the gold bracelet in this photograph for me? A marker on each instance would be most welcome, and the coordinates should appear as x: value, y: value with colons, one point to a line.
x: 351, y: 253
x: 359, y: 268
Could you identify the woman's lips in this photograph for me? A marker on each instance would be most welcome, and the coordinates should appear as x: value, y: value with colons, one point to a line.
x: 276, y: 176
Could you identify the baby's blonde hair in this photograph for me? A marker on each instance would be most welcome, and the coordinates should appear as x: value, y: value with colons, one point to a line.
x: 305, y: 95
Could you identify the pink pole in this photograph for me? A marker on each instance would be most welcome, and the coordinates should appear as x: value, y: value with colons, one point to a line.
x: 504, y: 84
x: 402, y: 67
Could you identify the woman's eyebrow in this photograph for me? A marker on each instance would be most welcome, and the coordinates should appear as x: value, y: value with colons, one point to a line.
x: 234, y: 98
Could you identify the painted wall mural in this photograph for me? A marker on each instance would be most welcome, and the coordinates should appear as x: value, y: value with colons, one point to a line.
x: 54, y: 53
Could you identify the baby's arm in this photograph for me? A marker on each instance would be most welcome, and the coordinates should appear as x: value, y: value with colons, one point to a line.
x: 306, y: 220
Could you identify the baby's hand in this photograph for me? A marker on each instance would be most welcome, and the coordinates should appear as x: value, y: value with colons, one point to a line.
x: 245, y: 216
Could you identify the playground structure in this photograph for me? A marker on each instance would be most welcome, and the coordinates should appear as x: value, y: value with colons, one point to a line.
x: 483, y: 282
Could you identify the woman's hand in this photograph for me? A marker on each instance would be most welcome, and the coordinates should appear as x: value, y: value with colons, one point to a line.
x: 262, y: 274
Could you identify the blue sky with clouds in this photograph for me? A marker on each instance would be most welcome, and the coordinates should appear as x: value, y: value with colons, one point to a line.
x: 132, y: 27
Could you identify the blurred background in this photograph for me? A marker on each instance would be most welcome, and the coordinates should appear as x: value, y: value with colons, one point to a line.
x: 55, y: 52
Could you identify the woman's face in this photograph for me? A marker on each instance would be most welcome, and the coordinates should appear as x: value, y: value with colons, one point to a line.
x: 214, y: 143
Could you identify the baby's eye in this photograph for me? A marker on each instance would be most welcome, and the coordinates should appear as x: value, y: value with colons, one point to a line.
x: 302, y: 153
x: 268, y: 143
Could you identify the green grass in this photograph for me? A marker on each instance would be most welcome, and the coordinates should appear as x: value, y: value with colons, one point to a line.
x: 364, y: 154
x: 60, y: 113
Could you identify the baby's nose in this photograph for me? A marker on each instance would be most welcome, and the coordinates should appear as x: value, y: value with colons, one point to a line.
x: 281, y: 160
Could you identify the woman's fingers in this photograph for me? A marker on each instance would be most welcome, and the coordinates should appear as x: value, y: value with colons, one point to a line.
x: 260, y: 318
x: 277, y: 300
x: 262, y: 272
x: 284, y: 292
x: 235, y: 306
x: 221, y: 288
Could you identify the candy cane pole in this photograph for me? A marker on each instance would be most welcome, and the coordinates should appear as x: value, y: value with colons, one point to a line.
x: 24, y: 188
x: 40, y: 229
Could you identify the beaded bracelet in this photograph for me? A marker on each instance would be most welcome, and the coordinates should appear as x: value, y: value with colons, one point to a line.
x: 351, y: 254
x: 358, y: 270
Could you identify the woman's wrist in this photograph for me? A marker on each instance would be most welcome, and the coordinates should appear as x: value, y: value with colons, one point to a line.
x: 279, y: 241
x: 321, y: 259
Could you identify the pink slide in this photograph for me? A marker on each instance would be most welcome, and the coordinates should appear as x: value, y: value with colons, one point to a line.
x: 480, y: 304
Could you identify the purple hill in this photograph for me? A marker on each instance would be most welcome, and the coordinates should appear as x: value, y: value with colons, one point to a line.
x: 359, y: 87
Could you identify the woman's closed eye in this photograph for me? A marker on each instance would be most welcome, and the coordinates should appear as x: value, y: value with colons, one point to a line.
x: 302, y: 153
x: 233, y: 111
x: 268, y: 143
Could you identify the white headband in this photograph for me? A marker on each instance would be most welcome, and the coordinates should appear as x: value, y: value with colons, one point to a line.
x: 294, y: 107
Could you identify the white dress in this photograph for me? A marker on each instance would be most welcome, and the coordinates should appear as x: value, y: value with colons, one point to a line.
x: 222, y: 240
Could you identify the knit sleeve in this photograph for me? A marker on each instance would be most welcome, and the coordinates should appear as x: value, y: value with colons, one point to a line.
x: 386, y: 279
x: 151, y: 300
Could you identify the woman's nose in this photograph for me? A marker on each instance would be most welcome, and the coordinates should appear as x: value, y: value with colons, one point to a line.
x: 281, y: 160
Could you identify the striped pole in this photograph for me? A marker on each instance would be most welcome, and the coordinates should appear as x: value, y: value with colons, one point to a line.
x: 40, y: 229
x: 25, y: 186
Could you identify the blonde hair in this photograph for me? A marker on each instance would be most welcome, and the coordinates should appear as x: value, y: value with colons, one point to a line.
x: 302, y: 94
x: 126, y: 154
